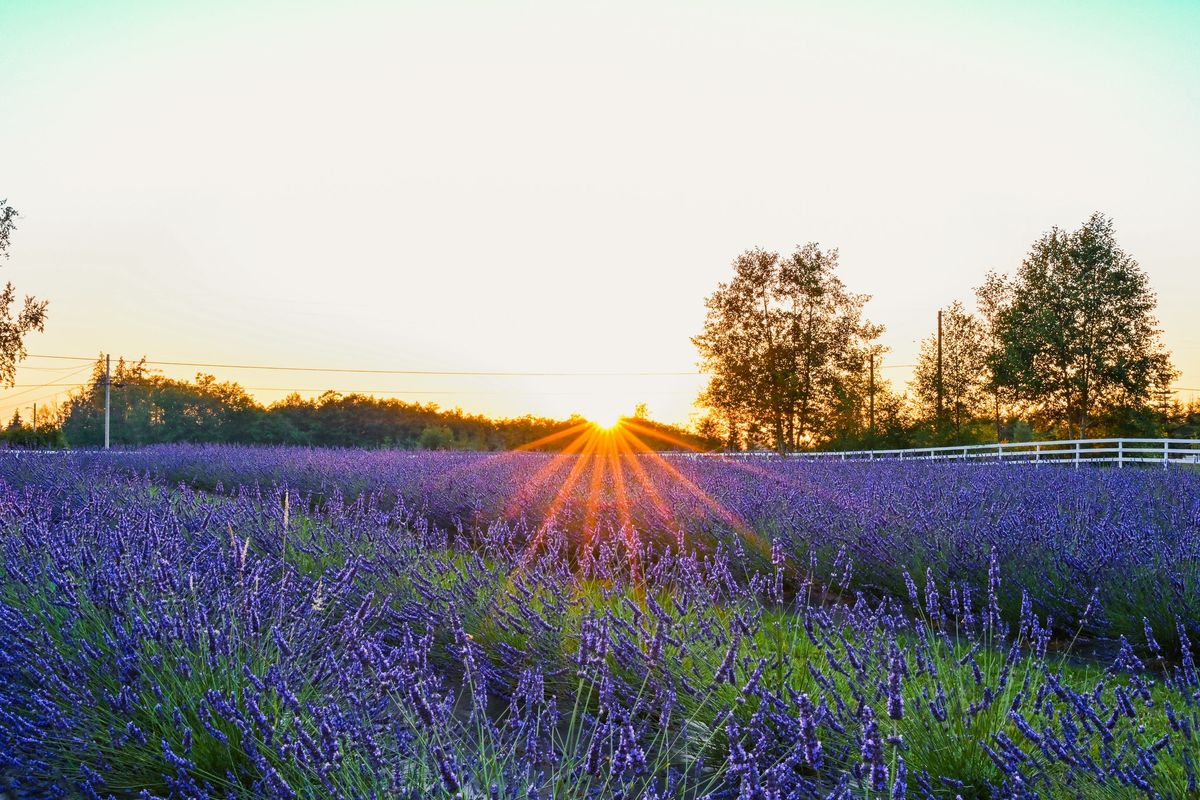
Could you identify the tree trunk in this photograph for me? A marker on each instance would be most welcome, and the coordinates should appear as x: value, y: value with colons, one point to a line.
x: 997, y: 416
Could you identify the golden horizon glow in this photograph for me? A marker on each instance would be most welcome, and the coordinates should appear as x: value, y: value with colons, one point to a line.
x: 602, y: 463
x: 607, y: 422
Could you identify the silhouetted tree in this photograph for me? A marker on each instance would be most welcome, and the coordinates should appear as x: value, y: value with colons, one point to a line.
x: 964, y: 371
x: 31, y: 317
x: 784, y: 343
x: 992, y: 298
x: 148, y: 407
x: 1078, y: 334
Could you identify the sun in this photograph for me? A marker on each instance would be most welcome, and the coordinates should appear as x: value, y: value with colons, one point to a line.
x: 606, y: 421
x: 604, y: 411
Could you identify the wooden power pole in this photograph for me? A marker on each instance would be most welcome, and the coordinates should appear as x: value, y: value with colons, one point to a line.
x: 107, y: 398
x: 871, y: 398
x: 939, y: 369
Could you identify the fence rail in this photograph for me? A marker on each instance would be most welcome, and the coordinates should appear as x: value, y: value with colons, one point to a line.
x: 1062, y: 451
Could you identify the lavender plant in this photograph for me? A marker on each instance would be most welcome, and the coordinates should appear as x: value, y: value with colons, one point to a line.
x: 236, y: 623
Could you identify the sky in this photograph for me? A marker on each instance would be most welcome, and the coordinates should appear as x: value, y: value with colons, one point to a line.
x: 555, y: 187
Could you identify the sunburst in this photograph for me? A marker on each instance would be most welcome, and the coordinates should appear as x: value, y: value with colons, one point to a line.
x: 607, y: 473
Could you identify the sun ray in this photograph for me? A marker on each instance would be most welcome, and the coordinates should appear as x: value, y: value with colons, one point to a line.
x: 617, y: 470
x: 564, y: 491
x: 581, y: 463
x: 666, y: 437
x: 644, y: 478
x: 595, y: 485
x: 728, y: 516
x: 524, y: 495
x: 554, y: 437
x: 479, y: 464
x: 625, y: 520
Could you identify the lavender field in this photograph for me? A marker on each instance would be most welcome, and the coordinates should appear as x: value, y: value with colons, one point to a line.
x: 222, y: 622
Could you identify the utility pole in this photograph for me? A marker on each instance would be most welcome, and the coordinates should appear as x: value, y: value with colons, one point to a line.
x: 107, y: 399
x: 35, y: 417
x: 871, y: 396
x: 939, y: 369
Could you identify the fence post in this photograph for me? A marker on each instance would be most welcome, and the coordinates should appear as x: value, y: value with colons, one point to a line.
x: 1120, y: 453
x: 1166, y: 453
x: 1077, y: 453
x: 1037, y: 454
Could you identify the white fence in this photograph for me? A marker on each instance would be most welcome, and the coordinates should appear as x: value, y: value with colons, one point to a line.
x: 1070, y: 451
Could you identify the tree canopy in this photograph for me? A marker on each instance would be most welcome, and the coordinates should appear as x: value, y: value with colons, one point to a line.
x: 1067, y: 345
x: 961, y: 379
x: 149, y: 408
x: 31, y: 316
x: 785, y: 344
x: 1078, y: 336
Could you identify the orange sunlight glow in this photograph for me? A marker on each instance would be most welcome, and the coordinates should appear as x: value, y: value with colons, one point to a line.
x: 607, y: 421
x: 603, y: 461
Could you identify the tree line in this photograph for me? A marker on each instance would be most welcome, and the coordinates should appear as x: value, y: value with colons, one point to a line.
x: 150, y: 408
x: 1066, y: 347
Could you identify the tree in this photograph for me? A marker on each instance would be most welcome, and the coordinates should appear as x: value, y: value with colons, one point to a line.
x: 709, y: 428
x: 1078, y: 334
x: 992, y: 299
x: 784, y: 343
x: 31, y: 317
x: 964, y: 370
x: 436, y: 437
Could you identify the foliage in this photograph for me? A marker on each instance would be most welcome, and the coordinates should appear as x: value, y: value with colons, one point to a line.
x: 159, y: 642
x: 961, y: 377
x: 786, y: 346
x: 1066, y: 347
x: 31, y: 317
x: 148, y: 408
x: 1079, y: 336
x: 1130, y: 535
x: 27, y: 438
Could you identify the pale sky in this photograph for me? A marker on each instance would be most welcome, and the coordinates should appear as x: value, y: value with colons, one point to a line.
x: 555, y: 187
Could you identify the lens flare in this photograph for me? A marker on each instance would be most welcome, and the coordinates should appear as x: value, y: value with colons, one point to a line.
x: 607, y: 422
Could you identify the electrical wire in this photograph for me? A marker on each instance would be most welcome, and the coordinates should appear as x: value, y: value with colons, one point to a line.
x: 6, y: 402
x: 85, y: 368
x: 479, y: 373
x: 40, y: 385
x: 355, y: 371
x: 434, y: 391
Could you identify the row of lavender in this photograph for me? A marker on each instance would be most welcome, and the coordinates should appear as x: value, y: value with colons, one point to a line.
x: 1125, y: 543
x: 167, y: 642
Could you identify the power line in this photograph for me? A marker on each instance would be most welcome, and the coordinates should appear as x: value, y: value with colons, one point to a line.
x: 40, y: 385
x: 6, y: 402
x: 341, y: 390
x: 424, y: 371
x: 30, y: 388
x: 482, y: 373
x: 437, y: 391
x: 356, y: 371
